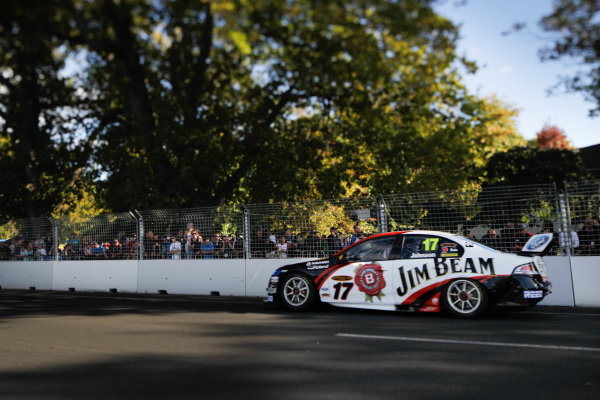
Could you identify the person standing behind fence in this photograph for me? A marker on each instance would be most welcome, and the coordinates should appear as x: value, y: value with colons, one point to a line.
x: 282, y: 248
x: 312, y: 245
x: 521, y: 237
x: 357, y: 234
x: 292, y: 243
x: 175, y: 248
x: 258, y: 244
x: 491, y: 239
x: 335, y: 242
x: 589, y: 240
x: 507, y: 236
x: 208, y: 249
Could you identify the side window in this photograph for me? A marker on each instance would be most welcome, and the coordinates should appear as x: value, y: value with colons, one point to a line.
x: 426, y: 246
x: 377, y: 249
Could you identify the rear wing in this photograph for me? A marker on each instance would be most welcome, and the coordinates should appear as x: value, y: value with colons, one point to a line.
x: 537, y: 245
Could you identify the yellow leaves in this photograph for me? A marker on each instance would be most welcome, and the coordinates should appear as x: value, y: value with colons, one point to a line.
x: 240, y: 41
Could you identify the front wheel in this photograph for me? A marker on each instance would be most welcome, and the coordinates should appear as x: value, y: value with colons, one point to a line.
x: 297, y: 292
x: 465, y: 298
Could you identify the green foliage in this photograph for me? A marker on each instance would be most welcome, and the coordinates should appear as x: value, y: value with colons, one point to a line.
x: 531, y: 166
x: 186, y: 103
x: 577, y: 28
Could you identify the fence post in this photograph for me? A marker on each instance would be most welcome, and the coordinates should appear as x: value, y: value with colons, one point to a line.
x: 140, y: 234
x: 246, y: 229
x: 54, y: 238
x: 382, y: 215
x: 564, y: 225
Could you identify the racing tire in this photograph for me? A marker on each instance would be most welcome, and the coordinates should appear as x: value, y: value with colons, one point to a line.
x: 465, y: 298
x: 297, y: 292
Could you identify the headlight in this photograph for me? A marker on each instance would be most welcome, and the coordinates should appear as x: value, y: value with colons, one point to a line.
x: 526, y: 269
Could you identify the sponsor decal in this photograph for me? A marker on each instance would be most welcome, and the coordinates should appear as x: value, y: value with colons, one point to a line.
x: 317, y: 264
x: 533, y: 294
x: 370, y: 281
x: 449, y: 254
x: 341, y: 278
x: 537, y: 242
x: 417, y: 276
x: 324, y: 294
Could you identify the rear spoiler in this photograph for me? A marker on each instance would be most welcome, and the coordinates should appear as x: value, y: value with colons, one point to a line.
x: 537, y: 245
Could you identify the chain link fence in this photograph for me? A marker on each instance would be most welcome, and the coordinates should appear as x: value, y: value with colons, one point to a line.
x: 500, y: 217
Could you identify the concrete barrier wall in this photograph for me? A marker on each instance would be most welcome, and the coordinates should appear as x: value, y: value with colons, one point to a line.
x: 193, y: 277
x: 575, y: 281
x: 95, y: 275
x: 586, y: 281
x: 26, y: 274
x: 559, y: 273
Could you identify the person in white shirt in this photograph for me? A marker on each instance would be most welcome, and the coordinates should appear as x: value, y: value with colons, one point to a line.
x: 282, y: 248
x: 574, y: 244
x: 175, y: 249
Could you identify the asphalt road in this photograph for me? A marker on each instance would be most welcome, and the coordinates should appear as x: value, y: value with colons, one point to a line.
x: 94, y: 345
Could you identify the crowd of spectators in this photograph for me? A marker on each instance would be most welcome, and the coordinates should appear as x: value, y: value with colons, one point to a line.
x: 191, y: 243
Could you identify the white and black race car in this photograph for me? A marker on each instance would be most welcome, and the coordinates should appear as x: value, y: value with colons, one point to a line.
x: 426, y: 271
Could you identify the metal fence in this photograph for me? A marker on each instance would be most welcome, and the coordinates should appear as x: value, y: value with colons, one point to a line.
x: 501, y: 217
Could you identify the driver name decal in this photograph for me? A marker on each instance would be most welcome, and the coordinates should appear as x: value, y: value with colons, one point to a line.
x: 411, y: 278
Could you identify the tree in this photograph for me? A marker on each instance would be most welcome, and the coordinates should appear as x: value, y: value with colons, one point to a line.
x: 532, y: 166
x: 39, y: 151
x: 577, y: 26
x: 552, y: 137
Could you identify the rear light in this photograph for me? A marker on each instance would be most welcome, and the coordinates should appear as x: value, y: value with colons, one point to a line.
x: 526, y: 269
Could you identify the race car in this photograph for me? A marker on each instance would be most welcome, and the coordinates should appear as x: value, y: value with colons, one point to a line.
x: 426, y: 271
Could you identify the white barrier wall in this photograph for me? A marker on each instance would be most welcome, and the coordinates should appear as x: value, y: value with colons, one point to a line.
x: 95, y: 275
x: 26, y: 274
x: 559, y: 273
x: 586, y: 281
x: 576, y: 281
x: 193, y: 277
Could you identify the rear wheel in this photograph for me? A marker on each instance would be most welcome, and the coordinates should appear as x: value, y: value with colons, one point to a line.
x: 297, y: 292
x: 465, y: 298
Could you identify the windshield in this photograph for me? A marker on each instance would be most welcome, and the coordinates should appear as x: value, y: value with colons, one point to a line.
x: 476, y: 244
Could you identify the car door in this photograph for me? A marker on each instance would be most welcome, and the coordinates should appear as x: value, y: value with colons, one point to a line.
x: 425, y: 262
x: 365, y: 275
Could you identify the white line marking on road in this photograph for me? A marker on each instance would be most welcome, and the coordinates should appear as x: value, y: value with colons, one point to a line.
x: 468, y: 342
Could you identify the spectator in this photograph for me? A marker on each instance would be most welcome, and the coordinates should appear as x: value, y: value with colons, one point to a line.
x: 196, y: 242
x: 98, y: 251
x: 468, y: 234
x: 491, y: 239
x: 74, y: 247
x: 238, y: 247
x: 292, y: 242
x: 208, y: 249
x: 41, y: 251
x: 507, y: 236
x: 227, y: 246
x: 219, y: 245
x: 357, y: 234
x: 589, y: 240
x: 312, y: 245
x: 521, y: 237
x: 258, y: 244
x: 165, y: 247
x: 115, y: 251
x: 132, y: 247
x: 175, y: 248
x: 5, y: 253
x: 282, y: 248
x: 564, y: 243
x: 24, y: 251
x: 334, y: 241
x: 554, y: 248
